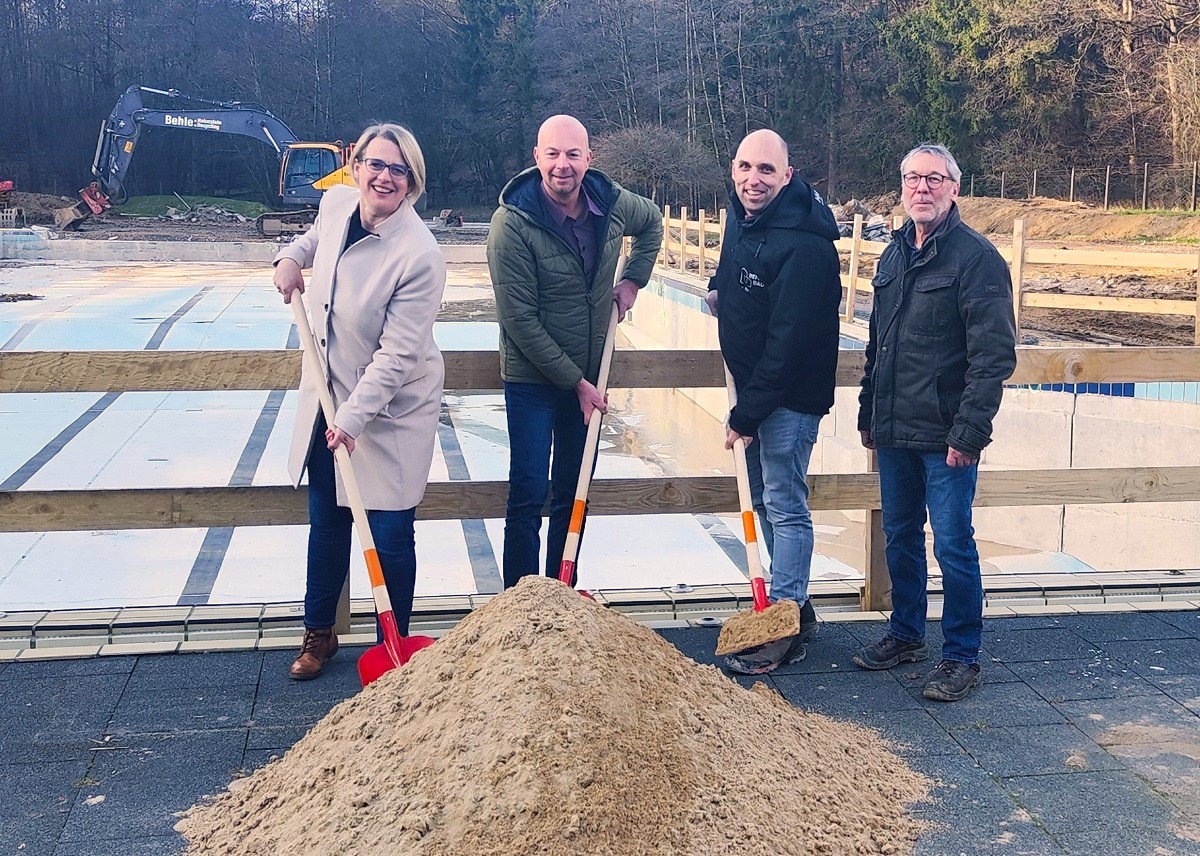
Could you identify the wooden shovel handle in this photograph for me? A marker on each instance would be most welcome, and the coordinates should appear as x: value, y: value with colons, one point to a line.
x: 379, y: 591
x: 758, y: 586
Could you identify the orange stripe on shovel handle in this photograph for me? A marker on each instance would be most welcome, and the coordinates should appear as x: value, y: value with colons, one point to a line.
x: 374, y: 569
x: 748, y: 527
x: 577, y: 510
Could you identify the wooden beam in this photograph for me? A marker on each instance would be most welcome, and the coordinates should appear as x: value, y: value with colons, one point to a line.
x: 1105, y: 365
x: 1110, y: 258
x: 1093, y: 303
x: 172, y: 371
x: 273, y: 505
x: 850, y: 279
x: 1018, y: 271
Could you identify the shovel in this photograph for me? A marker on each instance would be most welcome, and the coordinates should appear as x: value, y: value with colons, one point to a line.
x: 396, y: 650
x: 575, y: 530
x: 765, y: 622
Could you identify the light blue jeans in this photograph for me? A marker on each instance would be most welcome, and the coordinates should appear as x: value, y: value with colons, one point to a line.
x: 787, y: 439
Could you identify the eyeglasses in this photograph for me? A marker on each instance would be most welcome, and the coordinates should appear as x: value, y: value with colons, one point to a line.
x: 376, y: 166
x: 912, y: 180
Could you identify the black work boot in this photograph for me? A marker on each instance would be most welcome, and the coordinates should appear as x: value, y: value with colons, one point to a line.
x: 808, y: 622
x: 952, y: 680
x: 888, y: 652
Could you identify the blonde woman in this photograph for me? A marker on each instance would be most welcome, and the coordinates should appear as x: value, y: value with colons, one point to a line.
x: 375, y: 287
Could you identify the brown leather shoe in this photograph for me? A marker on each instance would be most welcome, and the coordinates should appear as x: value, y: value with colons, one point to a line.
x: 317, y: 647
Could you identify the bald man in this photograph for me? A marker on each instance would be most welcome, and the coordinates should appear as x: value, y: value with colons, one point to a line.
x: 552, y: 254
x: 776, y: 295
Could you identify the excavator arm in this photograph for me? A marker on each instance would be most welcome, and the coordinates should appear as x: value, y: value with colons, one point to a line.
x: 119, y: 135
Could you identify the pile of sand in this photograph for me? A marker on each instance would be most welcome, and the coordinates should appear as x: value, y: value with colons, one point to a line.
x: 546, y: 724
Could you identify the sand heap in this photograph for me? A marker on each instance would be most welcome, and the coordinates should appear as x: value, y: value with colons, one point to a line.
x: 546, y: 724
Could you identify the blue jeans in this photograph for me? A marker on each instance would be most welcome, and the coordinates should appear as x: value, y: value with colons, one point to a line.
x: 754, y: 470
x: 787, y: 439
x: 911, y: 482
x: 540, y: 417
x: 329, y: 545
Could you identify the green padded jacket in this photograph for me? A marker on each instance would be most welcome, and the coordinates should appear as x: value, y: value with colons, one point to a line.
x: 552, y: 321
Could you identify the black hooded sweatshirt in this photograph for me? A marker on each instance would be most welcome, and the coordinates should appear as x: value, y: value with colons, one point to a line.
x: 779, y: 287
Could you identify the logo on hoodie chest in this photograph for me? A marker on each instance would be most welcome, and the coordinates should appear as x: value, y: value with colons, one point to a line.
x: 749, y: 281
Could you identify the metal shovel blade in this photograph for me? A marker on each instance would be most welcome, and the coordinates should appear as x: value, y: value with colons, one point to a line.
x: 378, y: 660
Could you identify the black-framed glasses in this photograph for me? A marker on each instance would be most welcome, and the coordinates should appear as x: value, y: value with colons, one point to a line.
x: 912, y: 180
x: 376, y: 166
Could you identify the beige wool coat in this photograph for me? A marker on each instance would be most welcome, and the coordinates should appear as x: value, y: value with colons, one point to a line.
x: 372, y: 310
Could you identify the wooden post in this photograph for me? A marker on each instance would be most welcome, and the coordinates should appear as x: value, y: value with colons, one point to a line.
x: 1071, y: 196
x: 1003, y: 178
x: 1107, y: 182
x: 1033, y: 190
x: 1145, y: 184
x: 876, y: 593
x: 666, y: 233
x: 852, y: 282
x: 341, y: 620
x: 897, y: 222
x: 700, y: 271
x: 1194, y: 165
x: 721, y: 237
x: 1018, y: 270
x: 1196, y: 335
x: 683, y: 226
x: 972, y: 184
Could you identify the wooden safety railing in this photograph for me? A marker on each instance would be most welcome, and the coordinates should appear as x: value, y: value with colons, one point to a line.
x: 682, y: 243
x: 154, y: 508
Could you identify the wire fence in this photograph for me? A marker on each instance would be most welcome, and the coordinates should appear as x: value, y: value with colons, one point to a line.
x: 1153, y: 186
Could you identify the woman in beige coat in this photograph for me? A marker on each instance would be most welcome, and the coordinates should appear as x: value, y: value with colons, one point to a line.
x: 373, y: 294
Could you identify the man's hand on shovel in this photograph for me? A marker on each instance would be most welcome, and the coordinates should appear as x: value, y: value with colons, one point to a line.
x: 590, y: 400
x: 732, y: 437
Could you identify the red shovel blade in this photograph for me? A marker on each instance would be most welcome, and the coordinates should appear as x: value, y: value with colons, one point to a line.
x: 565, y: 573
x: 377, y: 660
x: 395, y: 651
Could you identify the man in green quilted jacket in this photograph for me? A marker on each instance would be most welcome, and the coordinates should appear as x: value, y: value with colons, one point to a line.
x: 553, y: 249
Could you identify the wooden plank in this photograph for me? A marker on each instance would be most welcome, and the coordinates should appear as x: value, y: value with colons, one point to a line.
x: 1105, y: 365
x: 876, y: 591
x: 148, y: 371
x: 1018, y: 270
x: 173, y: 371
x: 1095, y: 303
x: 1196, y: 317
x: 1110, y: 258
x: 851, y: 277
x: 866, y: 248
x: 272, y: 505
x: 170, y: 371
x: 1087, y: 486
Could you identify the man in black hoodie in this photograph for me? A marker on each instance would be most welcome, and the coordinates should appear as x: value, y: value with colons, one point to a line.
x: 777, y: 287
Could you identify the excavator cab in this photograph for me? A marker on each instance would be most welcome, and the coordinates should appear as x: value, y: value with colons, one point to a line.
x: 306, y: 164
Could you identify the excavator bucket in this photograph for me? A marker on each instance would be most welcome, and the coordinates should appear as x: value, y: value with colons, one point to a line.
x: 69, y: 218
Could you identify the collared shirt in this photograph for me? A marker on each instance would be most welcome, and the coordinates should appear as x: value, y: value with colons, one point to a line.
x: 910, y: 235
x: 579, y: 232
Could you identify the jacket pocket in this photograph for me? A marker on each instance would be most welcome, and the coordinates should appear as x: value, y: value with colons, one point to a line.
x: 943, y: 406
x: 934, y: 305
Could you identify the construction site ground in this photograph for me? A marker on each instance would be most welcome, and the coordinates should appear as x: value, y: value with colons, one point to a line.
x: 1049, y: 223
x: 1082, y: 739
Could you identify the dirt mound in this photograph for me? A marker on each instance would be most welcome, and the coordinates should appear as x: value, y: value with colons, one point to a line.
x: 546, y: 724
x: 39, y: 207
x: 1054, y: 218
